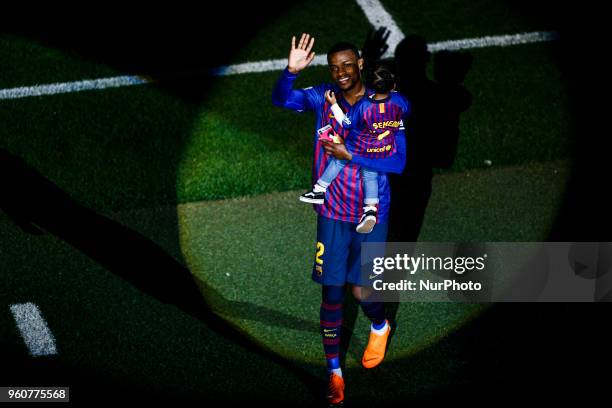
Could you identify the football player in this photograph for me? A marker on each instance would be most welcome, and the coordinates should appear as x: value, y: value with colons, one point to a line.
x: 337, y: 261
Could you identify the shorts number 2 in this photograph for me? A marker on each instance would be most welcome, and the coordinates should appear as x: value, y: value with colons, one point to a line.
x: 320, y: 251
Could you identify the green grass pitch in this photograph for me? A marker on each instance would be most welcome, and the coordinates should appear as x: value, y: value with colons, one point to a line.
x: 202, y: 178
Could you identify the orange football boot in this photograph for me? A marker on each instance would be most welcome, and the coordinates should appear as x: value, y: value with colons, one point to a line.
x: 375, y: 351
x: 335, y: 389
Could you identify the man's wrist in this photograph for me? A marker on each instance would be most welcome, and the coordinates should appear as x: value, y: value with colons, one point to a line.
x: 349, y: 155
x: 292, y: 71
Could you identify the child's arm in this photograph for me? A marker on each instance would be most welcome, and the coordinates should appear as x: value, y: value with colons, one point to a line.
x: 340, y: 117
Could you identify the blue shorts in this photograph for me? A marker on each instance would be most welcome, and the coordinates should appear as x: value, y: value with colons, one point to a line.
x: 338, y: 252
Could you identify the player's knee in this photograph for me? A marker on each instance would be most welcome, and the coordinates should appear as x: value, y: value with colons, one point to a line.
x: 333, y: 295
x: 361, y: 293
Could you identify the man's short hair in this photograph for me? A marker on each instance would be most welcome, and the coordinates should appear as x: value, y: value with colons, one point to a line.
x: 342, y: 46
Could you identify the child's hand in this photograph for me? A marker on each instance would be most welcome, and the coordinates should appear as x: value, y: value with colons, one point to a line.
x: 330, y: 97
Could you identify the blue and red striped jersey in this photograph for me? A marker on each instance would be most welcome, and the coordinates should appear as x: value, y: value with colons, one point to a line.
x: 374, y: 123
x: 344, y: 197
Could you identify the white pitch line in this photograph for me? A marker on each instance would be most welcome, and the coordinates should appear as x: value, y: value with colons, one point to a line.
x: 494, y: 41
x: 70, y: 87
x: 466, y: 43
x: 34, y: 330
x: 379, y: 17
x: 264, y: 66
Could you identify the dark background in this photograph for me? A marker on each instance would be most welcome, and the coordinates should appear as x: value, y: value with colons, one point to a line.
x: 551, y: 352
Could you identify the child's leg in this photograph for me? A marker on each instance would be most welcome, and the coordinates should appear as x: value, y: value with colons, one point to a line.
x: 370, y: 186
x: 370, y: 192
x: 317, y: 194
x: 334, y: 167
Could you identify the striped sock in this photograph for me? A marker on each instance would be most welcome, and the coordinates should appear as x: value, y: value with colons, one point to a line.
x: 331, y: 324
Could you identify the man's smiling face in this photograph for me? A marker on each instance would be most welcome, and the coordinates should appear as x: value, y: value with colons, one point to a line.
x: 344, y: 67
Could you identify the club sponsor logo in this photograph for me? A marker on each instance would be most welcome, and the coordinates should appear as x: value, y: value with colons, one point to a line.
x: 319, y: 270
x: 379, y: 149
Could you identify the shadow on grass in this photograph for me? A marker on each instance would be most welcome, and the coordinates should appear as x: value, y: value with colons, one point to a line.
x: 38, y: 206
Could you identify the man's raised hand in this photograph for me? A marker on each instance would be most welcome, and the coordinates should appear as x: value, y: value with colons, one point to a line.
x: 300, y: 56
